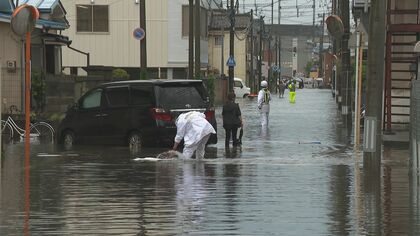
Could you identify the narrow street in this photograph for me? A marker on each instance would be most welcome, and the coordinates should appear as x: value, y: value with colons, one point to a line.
x: 271, y: 186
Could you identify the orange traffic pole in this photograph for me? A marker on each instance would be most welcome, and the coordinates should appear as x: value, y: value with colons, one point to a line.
x: 27, y: 124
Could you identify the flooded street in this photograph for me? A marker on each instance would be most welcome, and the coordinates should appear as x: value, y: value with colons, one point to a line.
x: 302, y: 176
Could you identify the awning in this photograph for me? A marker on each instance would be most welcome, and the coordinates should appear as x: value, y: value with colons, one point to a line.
x: 56, y: 39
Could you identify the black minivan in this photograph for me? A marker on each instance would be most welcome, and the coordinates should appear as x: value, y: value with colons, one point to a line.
x: 135, y: 112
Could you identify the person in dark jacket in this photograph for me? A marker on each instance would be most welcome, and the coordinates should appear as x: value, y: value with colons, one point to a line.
x: 232, y: 119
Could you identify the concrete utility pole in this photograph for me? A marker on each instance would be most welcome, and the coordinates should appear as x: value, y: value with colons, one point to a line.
x: 321, y: 48
x: 197, y: 40
x: 252, y: 75
x: 232, y: 44
x: 279, y: 47
x: 191, y: 39
x: 374, y: 85
x: 143, y: 48
x: 269, y: 76
x: 260, y: 51
x: 345, y: 65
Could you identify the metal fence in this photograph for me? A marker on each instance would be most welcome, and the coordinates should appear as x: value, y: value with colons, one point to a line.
x: 415, y: 130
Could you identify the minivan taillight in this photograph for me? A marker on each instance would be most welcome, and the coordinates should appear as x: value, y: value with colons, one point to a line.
x: 209, y: 114
x: 161, y: 114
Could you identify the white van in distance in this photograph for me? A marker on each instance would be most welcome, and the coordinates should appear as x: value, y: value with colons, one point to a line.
x: 240, y: 89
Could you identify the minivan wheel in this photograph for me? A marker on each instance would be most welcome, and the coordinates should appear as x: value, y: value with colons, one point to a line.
x: 69, y: 138
x: 135, y: 141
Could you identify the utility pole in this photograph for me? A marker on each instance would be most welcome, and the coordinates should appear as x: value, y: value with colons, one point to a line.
x: 345, y: 72
x: 143, y: 48
x: 231, y: 44
x: 252, y: 76
x: 272, y: 11
x: 374, y: 86
x: 222, y: 65
x: 313, y: 13
x: 191, y: 39
x: 260, y: 51
x: 197, y: 40
x: 279, y: 48
x: 321, y: 48
x: 269, y: 77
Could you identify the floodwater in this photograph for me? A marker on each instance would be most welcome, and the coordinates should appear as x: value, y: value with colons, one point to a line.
x: 301, y: 176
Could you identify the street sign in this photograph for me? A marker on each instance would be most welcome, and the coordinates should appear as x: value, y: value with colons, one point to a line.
x: 139, y: 33
x: 276, y: 68
x: 231, y: 61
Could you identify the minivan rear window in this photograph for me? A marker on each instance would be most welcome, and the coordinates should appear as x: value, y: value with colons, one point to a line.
x: 117, y: 97
x: 181, y: 96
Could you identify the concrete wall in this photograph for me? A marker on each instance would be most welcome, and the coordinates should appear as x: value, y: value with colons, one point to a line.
x: 10, y: 50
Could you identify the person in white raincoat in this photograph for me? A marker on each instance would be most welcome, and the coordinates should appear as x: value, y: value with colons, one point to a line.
x: 195, y: 130
x: 264, y: 99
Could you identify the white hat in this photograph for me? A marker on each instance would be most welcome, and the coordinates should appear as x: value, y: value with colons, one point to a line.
x: 264, y: 84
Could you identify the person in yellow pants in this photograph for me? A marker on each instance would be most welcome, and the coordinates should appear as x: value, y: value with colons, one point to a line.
x: 292, y: 92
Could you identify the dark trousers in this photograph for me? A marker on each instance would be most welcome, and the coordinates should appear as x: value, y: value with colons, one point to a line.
x: 231, y: 132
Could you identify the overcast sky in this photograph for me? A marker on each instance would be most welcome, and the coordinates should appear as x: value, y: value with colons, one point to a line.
x: 289, y: 10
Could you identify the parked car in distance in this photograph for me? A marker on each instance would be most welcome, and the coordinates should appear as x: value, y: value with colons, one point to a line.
x: 135, y: 112
x: 240, y: 89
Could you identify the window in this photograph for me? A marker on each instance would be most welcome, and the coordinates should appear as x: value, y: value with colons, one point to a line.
x: 185, y: 21
x: 93, y: 100
x: 92, y: 18
x: 180, y: 96
x: 218, y: 40
x: 117, y: 97
x: 237, y: 84
x: 141, y: 96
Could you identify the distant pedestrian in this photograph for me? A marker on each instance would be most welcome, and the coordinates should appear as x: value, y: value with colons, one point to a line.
x: 232, y: 120
x: 195, y: 130
x: 292, y: 92
x: 282, y: 88
x: 264, y: 99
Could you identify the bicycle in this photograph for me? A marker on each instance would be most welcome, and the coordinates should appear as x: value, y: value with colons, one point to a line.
x: 41, y: 131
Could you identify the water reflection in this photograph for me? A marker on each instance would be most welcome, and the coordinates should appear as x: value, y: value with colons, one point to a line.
x: 273, y: 184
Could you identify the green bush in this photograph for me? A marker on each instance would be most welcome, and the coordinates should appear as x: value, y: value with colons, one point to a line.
x: 120, y: 74
x: 38, y: 90
x: 143, y: 74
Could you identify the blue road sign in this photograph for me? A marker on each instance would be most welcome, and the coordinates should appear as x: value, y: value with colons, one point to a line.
x: 231, y: 61
x: 139, y: 33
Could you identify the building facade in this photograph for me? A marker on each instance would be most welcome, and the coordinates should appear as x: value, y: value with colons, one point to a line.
x: 106, y: 35
x: 45, y: 49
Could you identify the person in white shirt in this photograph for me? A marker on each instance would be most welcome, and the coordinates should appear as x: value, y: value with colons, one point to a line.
x: 264, y: 99
x: 195, y: 130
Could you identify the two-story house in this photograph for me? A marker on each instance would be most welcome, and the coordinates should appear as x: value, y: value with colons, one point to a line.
x: 104, y: 29
x: 46, y: 46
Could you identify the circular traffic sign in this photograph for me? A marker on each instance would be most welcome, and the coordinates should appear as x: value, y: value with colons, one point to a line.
x: 139, y: 33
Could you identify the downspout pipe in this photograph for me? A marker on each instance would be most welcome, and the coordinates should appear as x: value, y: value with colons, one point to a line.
x: 84, y: 53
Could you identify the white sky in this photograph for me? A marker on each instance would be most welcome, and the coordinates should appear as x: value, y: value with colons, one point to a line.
x: 288, y: 11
